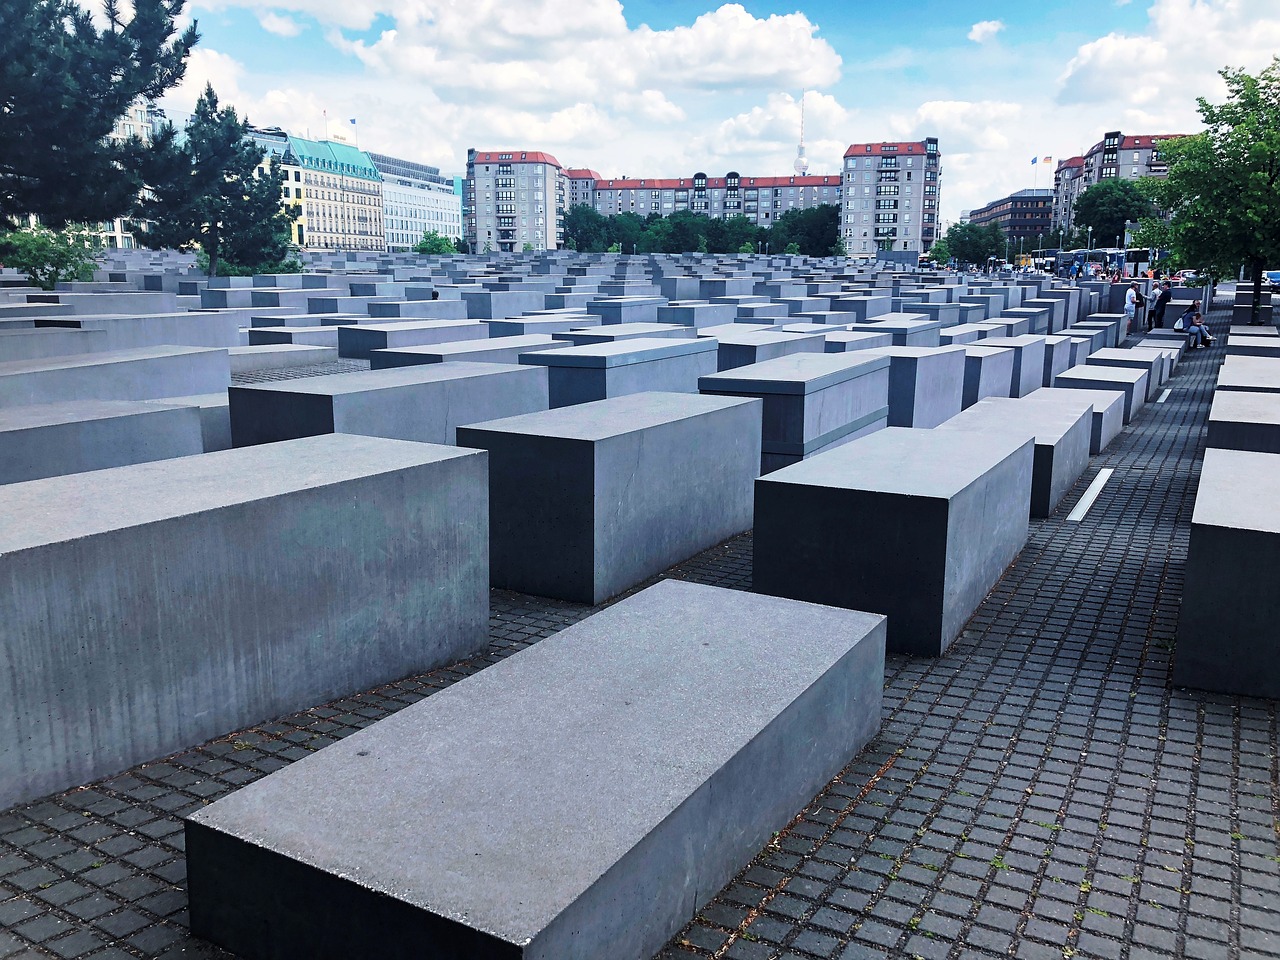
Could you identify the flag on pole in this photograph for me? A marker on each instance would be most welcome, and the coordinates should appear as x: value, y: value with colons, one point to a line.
x: 1046, y: 159
x: 1035, y: 160
x: 352, y: 121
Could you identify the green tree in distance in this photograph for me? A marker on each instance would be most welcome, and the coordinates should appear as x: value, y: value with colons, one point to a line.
x: 63, y: 85
x: 1108, y: 206
x: 971, y: 243
x: 1223, y: 187
x: 49, y: 257
x: 204, y: 190
x: 940, y: 252
x: 435, y: 244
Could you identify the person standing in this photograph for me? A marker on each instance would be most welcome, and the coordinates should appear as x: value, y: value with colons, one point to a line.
x: 1156, y: 317
x: 1131, y: 298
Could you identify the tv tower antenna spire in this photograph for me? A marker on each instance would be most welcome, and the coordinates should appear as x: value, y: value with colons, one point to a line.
x: 802, y: 162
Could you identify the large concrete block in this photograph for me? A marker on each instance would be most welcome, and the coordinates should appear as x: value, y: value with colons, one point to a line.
x: 215, y: 418
x: 1227, y: 640
x: 910, y: 333
x: 755, y: 346
x: 1151, y: 361
x: 655, y: 791
x: 52, y: 439
x: 418, y: 309
x: 599, y: 371
x: 863, y: 309
x: 1245, y: 421
x: 1132, y: 381
x: 988, y: 372
x: 926, y: 384
x: 609, y: 332
x: 962, y: 333
x: 613, y: 310
x: 1061, y: 428
x: 1107, y: 406
x: 185, y: 622
x: 812, y: 401
x: 502, y: 304
x: 545, y: 325
x: 278, y: 356
x: 1248, y: 374
x: 1028, y: 361
x: 492, y: 350
x: 915, y: 524
x: 867, y: 338
x: 38, y: 343
x: 152, y: 373
x: 359, y: 342
x: 589, y: 500
x: 1057, y: 358
x: 424, y: 403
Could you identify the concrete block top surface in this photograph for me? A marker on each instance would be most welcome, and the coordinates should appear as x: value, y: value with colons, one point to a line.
x: 1098, y: 371
x: 982, y: 349
x: 463, y: 347
x: 78, y: 411
x: 1023, y: 340
x: 362, y: 381
x: 906, y: 461
x: 508, y: 831
x: 1235, y: 406
x: 601, y: 419
x: 901, y: 317
x: 58, y: 509
x: 398, y: 325
x: 105, y: 357
x: 915, y: 353
x: 798, y: 373
x: 620, y: 353
x: 1046, y: 419
x: 1238, y: 372
x: 1231, y: 491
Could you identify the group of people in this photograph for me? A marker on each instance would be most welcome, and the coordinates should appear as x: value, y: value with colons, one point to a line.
x: 1192, y: 320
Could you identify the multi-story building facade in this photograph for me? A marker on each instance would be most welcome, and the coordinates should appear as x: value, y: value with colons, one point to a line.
x: 1116, y: 155
x: 415, y: 199
x: 760, y: 199
x: 337, y: 186
x: 1024, y: 216
x: 582, y: 186
x: 513, y: 200
x: 891, y: 195
x: 141, y: 120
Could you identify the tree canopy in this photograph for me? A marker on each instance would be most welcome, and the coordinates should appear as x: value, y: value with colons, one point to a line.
x: 436, y: 244
x: 814, y: 232
x: 204, y: 189
x: 49, y: 257
x: 972, y: 243
x: 1108, y: 206
x: 1223, y: 186
x: 63, y: 85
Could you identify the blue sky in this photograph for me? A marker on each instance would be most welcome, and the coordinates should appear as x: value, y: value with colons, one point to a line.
x: 663, y: 88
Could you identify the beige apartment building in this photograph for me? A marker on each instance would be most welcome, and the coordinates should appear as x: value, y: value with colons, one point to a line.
x: 514, y: 200
x: 1116, y: 155
x: 891, y: 195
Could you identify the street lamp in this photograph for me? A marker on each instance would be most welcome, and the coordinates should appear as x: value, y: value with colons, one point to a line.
x: 1088, y: 254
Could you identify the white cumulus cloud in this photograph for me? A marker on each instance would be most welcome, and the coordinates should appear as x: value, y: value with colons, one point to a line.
x: 273, y: 22
x: 984, y: 30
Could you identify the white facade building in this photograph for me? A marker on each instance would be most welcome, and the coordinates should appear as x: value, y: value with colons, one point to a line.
x: 415, y: 199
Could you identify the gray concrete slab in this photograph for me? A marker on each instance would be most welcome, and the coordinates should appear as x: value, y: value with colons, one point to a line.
x: 75, y: 436
x: 1227, y: 640
x: 152, y: 373
x: 1239, y: 420
x: 988, y: 372
x: 589, y: 500
x: 1028, y: 361
x: 1132, y: 381
x: 926, y: 384
x: 492, y: 350
x: 812, y: 401
x: 599, y: 371
x: 424, y: 403
x: 1250, y: 374
x: 184, y: 622
x: 358, y: 342
x: 1107, y: 406
x: 915, y: 524
x: 655, y: 791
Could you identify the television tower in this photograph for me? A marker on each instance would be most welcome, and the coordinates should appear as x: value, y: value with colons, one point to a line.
x: 802, y: 162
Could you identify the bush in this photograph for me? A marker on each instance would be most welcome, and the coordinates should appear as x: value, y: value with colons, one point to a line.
x: 50, y: 257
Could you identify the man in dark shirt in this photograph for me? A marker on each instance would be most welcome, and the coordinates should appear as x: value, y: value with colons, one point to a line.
x: 1156, y: 317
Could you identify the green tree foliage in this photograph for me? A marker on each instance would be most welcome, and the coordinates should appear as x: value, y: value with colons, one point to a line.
x: 63, y: 85
x: 815, y: 231
x: 435, y: 244
x: 1108, y: 206
x: 747, y: 248
x: 940, y: 252
x: 49, y: 257
x: 971, y: 243
x: 204, y: 190
x: 460, y: 245
x: 586, y: 228
x: 1223, y: 187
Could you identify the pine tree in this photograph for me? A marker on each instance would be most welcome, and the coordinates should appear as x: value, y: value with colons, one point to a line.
x: 63, y: 85
x: 203, y: 189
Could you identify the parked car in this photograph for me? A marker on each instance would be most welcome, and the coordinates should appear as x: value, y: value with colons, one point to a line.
x: 1188, y: 278
x: 1271, y: 278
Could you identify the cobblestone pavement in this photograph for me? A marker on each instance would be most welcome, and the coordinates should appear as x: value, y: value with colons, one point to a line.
x: 1039, y: 792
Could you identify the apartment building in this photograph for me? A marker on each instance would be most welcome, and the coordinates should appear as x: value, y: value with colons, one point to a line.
x: 415, y: 199
x: 760, y: 199
x: 1024, y: 216
x: 1127, y: 157
x: 337, y: 186
x: 513, y: 200
x: 891, y: 193
x: 141, y: 120
x: 582, y: 186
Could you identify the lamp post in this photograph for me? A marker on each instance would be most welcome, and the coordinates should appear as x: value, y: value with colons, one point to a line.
x: 1089, y: 252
